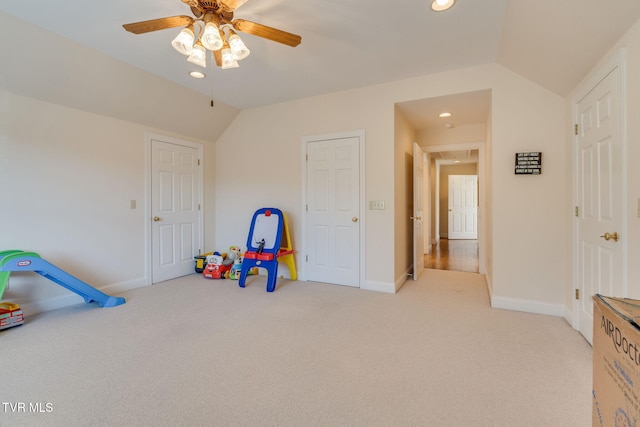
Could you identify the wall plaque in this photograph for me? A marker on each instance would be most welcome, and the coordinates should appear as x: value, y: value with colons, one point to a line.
x: 529, y: 163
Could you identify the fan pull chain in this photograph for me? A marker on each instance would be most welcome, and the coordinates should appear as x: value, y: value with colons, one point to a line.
x: 213, y: 62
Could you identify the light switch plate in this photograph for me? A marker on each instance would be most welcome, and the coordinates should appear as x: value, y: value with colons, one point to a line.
x: 376, y: 204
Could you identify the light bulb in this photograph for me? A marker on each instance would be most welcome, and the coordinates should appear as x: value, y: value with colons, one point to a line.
x: 211, y: 37
x: 183, y: 42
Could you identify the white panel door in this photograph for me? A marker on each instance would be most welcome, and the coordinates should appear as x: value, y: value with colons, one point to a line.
x: 175, y: 209
x: 599, y: 198
x: 418, y: 211
x: 333, y: 211
x: 463, y: 207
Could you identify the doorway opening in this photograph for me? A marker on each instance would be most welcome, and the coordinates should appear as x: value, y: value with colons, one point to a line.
x: 446, y: 127
x: 454, y: 193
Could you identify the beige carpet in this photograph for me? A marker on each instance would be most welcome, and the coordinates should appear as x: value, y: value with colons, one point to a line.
x: 195, y: 352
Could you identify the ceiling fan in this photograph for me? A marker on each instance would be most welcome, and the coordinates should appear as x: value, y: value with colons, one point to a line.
x: 215, y: 27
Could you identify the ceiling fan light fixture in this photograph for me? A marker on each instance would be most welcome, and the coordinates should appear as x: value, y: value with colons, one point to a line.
x: 183, y: 42
x: 238, y: 48
x: 228, y: 60
x: 198, y: 55
x: 211, y: 38
x: 441, y: 5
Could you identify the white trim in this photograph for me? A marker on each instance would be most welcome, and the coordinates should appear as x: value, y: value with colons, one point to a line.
x: 389, y: 288
x: 482, y: 193
x: 404, y: 278
x: 528, y: 306
x: 489, y: 286
x: 615, y: 60
x: 360, y: 134
x: 148, y: 269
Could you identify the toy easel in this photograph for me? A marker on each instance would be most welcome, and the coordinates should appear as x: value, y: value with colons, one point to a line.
x: 264, y: 246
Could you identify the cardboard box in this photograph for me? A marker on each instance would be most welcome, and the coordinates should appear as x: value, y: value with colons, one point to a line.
x: 616, y: 362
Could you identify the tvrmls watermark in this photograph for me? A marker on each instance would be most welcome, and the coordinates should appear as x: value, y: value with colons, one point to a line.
x: 26, y: 407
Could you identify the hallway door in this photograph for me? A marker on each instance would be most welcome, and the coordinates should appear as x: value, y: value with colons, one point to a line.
x: 599, y: 182
x: 463, y: 207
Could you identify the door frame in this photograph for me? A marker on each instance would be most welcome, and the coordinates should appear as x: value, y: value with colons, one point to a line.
x: 482, y: 174
x: 418, y: 235
x: 148, y: 179
x: 360, y: 134
x: 616, y: 60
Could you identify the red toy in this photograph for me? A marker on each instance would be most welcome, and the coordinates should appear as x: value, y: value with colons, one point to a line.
x: 10, y: 315
x: 215, y: 269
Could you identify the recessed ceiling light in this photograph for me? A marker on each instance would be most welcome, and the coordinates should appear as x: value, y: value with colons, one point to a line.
x: 445, y: 114
x: 441, y: 5
x: 197, y: 74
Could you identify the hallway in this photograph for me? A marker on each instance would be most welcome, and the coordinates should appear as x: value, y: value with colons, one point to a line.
x: 456, y: 255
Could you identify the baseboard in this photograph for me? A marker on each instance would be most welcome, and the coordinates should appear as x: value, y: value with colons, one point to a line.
x: 528, y: 306
x: 568, y: 316
x: 403, y: 279
x: 489, y: 286
x: 70, y: 299
x: 386, y: 287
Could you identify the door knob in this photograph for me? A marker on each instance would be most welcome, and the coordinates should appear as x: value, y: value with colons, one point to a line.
x: 611, y: 236
x: 156, y: 218
x: 415, y: 218
x: 354, y: 219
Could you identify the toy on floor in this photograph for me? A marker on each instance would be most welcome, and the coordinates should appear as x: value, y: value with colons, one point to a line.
x: 234, y: 255
x: 269, y: 241
x: 236, y: 268
x: 16, y: 260
x: 10, y: 315
x: 216, y: 267
x: 201, y: 261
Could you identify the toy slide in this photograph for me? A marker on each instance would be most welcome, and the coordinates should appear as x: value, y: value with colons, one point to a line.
x: 30, y: 261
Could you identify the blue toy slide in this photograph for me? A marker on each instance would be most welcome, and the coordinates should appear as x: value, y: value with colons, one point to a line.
x: 30, y: 261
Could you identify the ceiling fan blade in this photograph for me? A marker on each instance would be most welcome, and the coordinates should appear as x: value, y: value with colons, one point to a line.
x: 267, y: 32
x: 233, y: 4
x: 158, y: 24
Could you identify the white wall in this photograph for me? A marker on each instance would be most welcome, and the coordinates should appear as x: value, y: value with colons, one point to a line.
x: 259, y: 164
x: 69, y: 177
x: 264, y: 145
x: 72, y: 135
x: 456, y: 135
x: 529, y: 260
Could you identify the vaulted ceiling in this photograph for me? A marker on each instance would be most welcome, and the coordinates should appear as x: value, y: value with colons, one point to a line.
x: 354, y: 43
